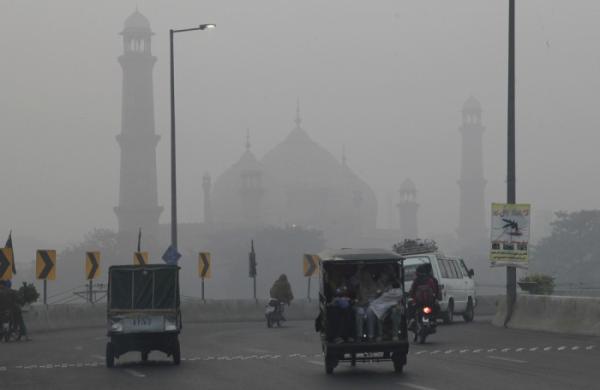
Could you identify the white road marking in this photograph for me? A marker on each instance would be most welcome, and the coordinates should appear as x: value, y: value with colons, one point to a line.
x: 99, y: 357
x: 547, y: 348
x: 414, y: 386
x: 505, y: 349
x: 491, y: 349
x: 463, y: 350
x: 575, y: 348
x: 449, y: 351
x: 137, y: 374
x: 420, y: 352
x: 533, y: 349
x: 477, y: 350
x: 436, y: 351
x: 2, y: 368
x: 506, y: 359
x: 589, y: 347
x: 519, y: 349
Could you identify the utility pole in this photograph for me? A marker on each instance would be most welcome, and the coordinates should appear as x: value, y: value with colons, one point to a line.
x: 511, y: 195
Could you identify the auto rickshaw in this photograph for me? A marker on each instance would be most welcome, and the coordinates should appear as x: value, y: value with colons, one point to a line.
x: 143, y: 312
x: 341, y: 275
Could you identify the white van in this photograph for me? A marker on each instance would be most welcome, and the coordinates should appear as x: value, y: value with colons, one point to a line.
x: 456, y: 282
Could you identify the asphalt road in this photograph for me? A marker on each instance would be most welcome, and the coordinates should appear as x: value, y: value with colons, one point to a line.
x: 250, y: 356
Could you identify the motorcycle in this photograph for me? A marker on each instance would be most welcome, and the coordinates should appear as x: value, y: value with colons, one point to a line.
x: 425, y: 325
x: 274, y: 313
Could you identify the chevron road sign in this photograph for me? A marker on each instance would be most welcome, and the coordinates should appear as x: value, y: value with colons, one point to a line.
x: 6, y: 259
x: 92, y: 265
x: 140, y: 258
x: 204, y: 260
x: 45, y: 264
x: 311, y: 264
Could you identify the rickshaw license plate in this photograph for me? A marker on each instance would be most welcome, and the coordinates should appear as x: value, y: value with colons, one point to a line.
x: 144, y: 323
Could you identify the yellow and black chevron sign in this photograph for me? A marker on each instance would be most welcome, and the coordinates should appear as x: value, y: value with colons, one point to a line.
x: 92, y: 265
x: 6, y: 263
x: 311, y: 264
x: 204, y: 260
x: 45, y: 264
x: 140, y: 258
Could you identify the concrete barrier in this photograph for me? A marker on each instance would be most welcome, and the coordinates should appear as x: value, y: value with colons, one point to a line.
x: 55, y: 317
x: 486, y: 305
x: 572, y: 315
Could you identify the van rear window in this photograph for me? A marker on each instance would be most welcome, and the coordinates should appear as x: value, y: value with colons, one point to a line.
x: 411, y: 264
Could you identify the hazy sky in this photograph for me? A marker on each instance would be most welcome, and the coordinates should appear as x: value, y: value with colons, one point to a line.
x: 385, y: 78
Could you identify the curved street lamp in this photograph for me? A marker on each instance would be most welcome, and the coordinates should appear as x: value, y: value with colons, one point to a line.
x: 173, y: 149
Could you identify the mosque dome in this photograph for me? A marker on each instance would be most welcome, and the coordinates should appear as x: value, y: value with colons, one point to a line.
x: 137, y: 22
x: 472, y: 104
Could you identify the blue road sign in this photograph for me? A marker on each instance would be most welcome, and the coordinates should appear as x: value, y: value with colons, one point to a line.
x: 171, y: 256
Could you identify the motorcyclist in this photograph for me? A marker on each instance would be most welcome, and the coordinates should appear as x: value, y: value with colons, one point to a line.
x: 281, y: 290
x: 11, y: 304
x: 424, y: 291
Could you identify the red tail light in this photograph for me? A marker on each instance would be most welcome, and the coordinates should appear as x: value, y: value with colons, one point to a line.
x: 427, y: 310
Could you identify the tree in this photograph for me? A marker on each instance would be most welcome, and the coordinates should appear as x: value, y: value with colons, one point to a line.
x: 571, y: 254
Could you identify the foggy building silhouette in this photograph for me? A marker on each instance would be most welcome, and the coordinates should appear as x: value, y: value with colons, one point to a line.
x: 206, y: 188
x: 472, y: 231
x: 297, y: 183
x: 407, y: 209
x: 138, y: 200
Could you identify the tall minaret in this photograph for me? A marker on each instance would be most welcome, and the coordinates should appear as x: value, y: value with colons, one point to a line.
x: 252, y: 189
x: 206, y: 186
x: 472, y: 231
x: 408, y: 208
x: 138, y: 203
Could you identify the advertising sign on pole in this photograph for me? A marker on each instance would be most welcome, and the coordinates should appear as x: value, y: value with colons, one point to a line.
x: 510, y: 234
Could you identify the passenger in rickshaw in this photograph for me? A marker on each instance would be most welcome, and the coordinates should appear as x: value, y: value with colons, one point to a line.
x: 370, y: 286
x: 389, y: 303
x: 340, y: 316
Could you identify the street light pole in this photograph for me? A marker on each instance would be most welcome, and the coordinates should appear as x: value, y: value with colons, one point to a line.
x: 511, y: 193
x: 173, y: 151
x: 173, y: 144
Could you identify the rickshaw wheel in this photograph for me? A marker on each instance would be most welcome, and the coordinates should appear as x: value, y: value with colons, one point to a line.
x: 398, y: 363
x: 177, y: 353
x: 330, y: 364
x: 110, y: 355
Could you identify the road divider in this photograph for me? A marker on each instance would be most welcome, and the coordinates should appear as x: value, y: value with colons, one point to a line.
x: 570, y: 315
x: 40, y: 318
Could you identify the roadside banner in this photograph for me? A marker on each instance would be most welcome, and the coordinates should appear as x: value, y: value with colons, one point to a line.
x: 510, y: 235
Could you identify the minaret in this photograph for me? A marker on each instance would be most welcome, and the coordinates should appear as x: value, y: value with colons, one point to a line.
x: 252, y: 190
x: 472, y: 231
x: 206, y: 186
x: 138, y: 203
x: 407, y: 209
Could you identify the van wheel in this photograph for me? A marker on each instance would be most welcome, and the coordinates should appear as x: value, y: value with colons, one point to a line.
x: 469, y: 314
x: 110, y: 355
x: 449, y: 314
